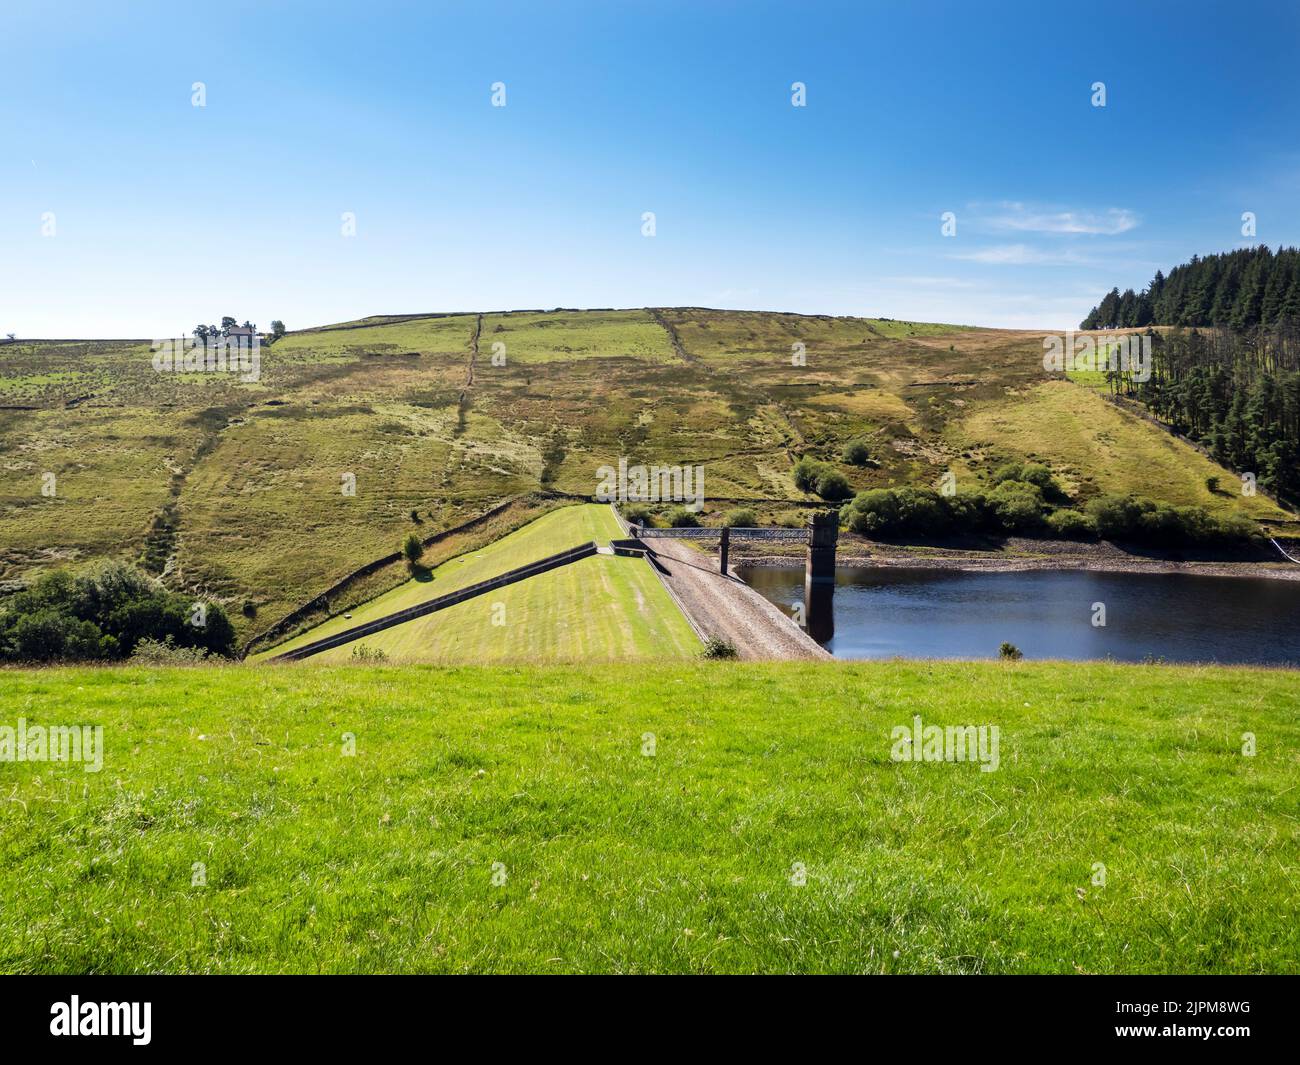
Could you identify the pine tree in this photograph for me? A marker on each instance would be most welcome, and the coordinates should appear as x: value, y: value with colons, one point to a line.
x: 1240, y: 290
x: 1108, y: 310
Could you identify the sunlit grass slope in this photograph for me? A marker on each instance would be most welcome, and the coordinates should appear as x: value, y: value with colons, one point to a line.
x: 1099, y: 448
x: 603, y: 607
x: 600, y: 609
x: 580, y: 819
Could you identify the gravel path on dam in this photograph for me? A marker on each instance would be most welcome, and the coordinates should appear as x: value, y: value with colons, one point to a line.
x: 728, y: 607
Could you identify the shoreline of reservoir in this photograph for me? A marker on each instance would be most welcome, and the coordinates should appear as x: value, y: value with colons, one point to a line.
x: 1021, y: 555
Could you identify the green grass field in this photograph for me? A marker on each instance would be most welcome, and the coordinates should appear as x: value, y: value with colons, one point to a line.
x: 600, y: 609
x: 1098, y: 448
x: 507, y: 820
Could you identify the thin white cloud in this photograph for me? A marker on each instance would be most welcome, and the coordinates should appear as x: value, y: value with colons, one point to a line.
x: 1027, y: 218
x: 1004, y: 255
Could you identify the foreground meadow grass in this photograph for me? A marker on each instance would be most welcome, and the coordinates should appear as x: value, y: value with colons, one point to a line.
x: 615, y: 860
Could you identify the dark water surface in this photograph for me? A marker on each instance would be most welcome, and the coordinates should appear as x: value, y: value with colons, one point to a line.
x: 950, y: 614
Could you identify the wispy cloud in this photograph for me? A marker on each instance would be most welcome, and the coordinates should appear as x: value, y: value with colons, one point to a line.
x: 1028, y: 218
x: 1015, y: 255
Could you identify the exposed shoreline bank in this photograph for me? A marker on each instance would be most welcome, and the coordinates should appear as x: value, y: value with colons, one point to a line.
x: 1018, y: 556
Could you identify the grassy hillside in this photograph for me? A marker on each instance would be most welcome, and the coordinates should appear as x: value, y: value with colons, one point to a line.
x: 602, y: 608
x: 1102, y: 449
x: 234, y: 489
x: 686, y: 860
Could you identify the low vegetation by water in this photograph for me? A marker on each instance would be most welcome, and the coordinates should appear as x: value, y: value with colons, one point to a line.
x: 715, y: 817
x: 1025, y: 499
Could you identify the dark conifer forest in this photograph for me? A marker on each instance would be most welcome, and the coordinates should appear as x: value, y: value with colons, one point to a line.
x: 1227, y: 374
x: 1234, y: 290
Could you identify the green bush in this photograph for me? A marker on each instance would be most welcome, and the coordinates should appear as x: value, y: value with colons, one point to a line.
x: 1012, y: 507
x: 682, y: 518
x: 1010, y: 651
x: 1140, y: 520
x: 896, y: 511
x: 412, y: 549
x: 1116, y: 517
x: 1030, y: 473
x: 717, y: 647
x: 832, y: 485
x: 805, y: 473
x: 103, y: 615
x: 968, y: 512
x: 741, y: 517
x: 1070, y: 525
x: 1010, y: 471
x: 856, y: 453
x: 821, y: 478
x: 49, y: 635
x: 638, y: 514
x: 1036, y: 473
x: 1017, y: 507
x: 366, y: 655
x: 150, y: 652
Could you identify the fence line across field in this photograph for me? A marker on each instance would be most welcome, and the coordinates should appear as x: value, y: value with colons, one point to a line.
x: 735, y: 533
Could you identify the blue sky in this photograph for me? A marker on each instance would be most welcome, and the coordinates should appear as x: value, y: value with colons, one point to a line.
x: 166, y: 214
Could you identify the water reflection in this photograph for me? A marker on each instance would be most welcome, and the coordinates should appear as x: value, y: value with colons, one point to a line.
x: 869, y: 613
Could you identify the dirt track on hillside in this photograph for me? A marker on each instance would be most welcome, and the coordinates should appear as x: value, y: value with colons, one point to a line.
x: 728, y: 607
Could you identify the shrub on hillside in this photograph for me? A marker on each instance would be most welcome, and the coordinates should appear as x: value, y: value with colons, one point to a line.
x: 682, y: 518
x: 856, y: 453
x: 832, y: 485
x: 1030, y: 473
x: 49, y: 635
x: 821, y: 478
x: 741, y: 517
x: 638, y: 514
x: 412, y: 550
x: 805, y: 473
x: 103, y: 615
x: 1011, y: 507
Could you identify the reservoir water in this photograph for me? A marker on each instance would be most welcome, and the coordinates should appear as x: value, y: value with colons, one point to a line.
x: 915, y: 613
